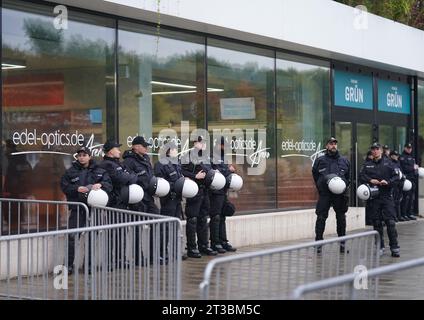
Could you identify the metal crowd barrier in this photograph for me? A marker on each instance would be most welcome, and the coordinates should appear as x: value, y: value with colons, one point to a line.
x: 360, y: 285
x: 275, y: 273
x: 19, y: 216
x: 133, y: 260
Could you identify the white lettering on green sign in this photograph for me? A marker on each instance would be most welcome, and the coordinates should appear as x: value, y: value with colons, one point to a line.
x: 354, y: 94
x: 394, y: 100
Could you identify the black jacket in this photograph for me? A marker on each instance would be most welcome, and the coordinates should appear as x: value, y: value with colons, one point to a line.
x: 381, y: 169
x: 330, y: 164
x: 219, y: 164
x: 194, y: 165
x: 169, y: 170
x: 407, y: 162
x: 120, y: 177
x: 78, y: 176
x: 142, y: 167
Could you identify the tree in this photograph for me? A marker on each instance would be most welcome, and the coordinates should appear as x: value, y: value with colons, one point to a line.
x: 409, y: 12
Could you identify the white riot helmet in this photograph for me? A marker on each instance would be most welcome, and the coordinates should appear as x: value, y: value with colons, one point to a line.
x: 215, y: 180
x: 421, y: 172
x: 366, y: 192
x: 234, y: 182
x: 335, y: 184
x: 159, y: 187
x: 407, y: 185
x: 97, y: 198
x: 132, y: 194
x: 186, y: 188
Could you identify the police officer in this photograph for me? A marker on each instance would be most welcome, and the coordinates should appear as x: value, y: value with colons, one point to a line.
x: 169, y: 168
x: 330, y: 163
x: 368, y: 221
x: 382, y: 173
x: 397, y: 185
x: 218, y: 230
x: 121, y: 178
x: 84, y: 175
x: 195, y: 166
x: 386, y: 151
x: 409, y: 169
x: 138, y: 161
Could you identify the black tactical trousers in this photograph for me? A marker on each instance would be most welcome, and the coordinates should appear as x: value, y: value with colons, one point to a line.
x: 170, y: 206
x: 217, y: 223
x: 197, y: 210
x: 383, y: 209
x: 339, y: 203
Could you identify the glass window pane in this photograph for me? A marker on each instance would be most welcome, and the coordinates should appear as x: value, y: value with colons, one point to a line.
x: 385, y: 135
x: 161, y: 84
x: 58, y: 91
x: 302, y: 126
x: 400, y: 139
x: 241, y: 100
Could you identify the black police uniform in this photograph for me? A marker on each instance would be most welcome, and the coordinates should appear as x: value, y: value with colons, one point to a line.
x: 218, y: 230
x: 142, y: 167
x: 197, y: 208
x: 330, y: 164
x: 382, y: 207
x: 77, y: 176
x: 397, y: 190
x: 121, y: 179
x: 407, y: 163
x: 170, y: 170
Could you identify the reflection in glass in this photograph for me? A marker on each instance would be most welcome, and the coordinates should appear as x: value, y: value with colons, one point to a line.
x: 244, y: 101
x: 57, y: 90
x: 161, y: 83
x: 302, y: 127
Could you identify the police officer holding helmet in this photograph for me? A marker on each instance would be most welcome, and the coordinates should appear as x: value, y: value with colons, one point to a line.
x: 138, y: 161
x: 382, y: 173
x: 83, y: 176
x: 121, y: 178
x: 195, y: 166
x: 218, y: 230
x: 329, y: 166
x: 410, y: 170
x: 169, y: 168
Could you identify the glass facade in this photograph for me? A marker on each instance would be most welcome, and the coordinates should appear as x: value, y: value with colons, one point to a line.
x: 303, y: 123
x: 243, y: 107
x: 57, y: 93
x: 103, y: 77
x: 161, y: 84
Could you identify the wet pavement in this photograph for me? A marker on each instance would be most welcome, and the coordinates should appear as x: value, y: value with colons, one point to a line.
x: 407, y: 284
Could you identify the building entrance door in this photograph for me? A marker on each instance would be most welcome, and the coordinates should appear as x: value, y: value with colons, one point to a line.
x: 354, y: 140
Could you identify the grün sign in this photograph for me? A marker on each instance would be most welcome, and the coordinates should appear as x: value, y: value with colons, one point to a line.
x: 394, y: 96
x: 352, y: 90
